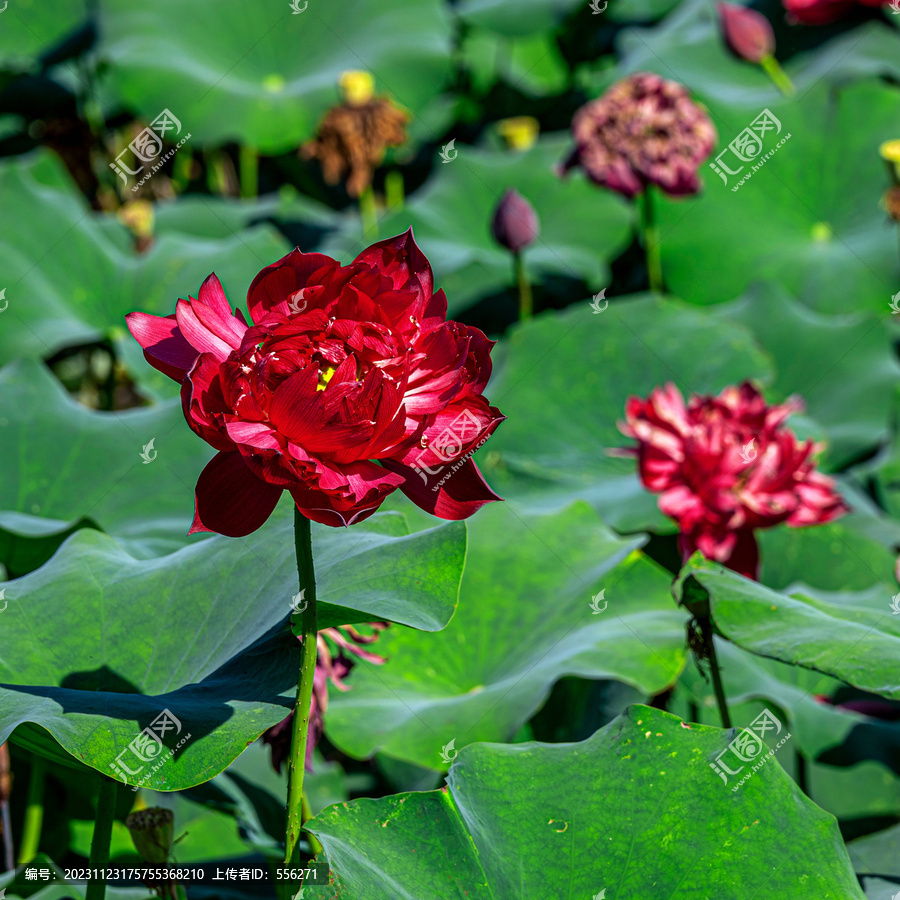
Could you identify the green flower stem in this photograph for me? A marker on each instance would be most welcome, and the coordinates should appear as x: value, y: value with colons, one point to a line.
x: 526, y: 304
x: 106, y: 810
x: 249, y: 164
x: 300, y: 725
x: 707, y: 629
x: 777, y: 74
x: 394, y: 191
x: 651, y: 240
x: 34, y: 813
x: 368, y: 212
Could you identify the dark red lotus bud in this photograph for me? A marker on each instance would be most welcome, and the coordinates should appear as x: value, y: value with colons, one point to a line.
x: 747, y: 32
x: 515, y: 223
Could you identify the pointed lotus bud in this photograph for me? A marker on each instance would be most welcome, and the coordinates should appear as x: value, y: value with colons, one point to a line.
x: 152, y: 831
x: 747, y: 32
x: 515, y: 223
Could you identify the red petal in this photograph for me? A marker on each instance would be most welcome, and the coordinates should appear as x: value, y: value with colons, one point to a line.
x: 165, y: 348
x: 463, y: 492
x: 274, y: 285
x: 403, y: 262
x: 230, y: 499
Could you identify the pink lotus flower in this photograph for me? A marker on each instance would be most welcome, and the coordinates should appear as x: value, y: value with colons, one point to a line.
x: 348, y: 384
x: 823, y: 12
x: 643, y: 130
x: 725, y: 466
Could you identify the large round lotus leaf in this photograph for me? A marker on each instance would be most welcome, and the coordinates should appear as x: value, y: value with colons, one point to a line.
x: 258, y: 73
x: 29, y: 27
x: 481, y: 679
x: 851, y: 636
x: 821, y: 731
x: 143, y: 493
x: 601, y: 818
x: 829, y: 243
x: 98, y: 643
x: 581, y: 228
x: 71, y: 275
x: 563, y: 383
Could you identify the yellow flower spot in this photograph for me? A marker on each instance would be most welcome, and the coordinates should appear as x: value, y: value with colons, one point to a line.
x: 519, y: 132
x: 357, y: 87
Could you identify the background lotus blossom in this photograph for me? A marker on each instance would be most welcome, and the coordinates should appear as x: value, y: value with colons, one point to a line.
x: 333, y: 667
x: 725, y: 466
x: 341, y: 366
x: 823, y: 12
x: 643, y: 130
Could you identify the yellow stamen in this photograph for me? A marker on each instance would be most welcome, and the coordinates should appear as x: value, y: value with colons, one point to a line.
x: 519, y: 132
x: 358, y: 87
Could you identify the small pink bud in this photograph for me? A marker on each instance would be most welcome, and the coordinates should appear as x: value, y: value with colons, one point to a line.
x: 515, y: 222
x: 747, y: 32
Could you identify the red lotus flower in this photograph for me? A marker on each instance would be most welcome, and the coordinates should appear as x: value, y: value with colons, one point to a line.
x: 725, y: 466
x: 348, y: 385
x: 824, y: 12
x: 643, y: 130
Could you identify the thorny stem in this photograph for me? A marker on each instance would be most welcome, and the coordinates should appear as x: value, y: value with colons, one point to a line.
x: 706, y: 628
x: 300, y: 724
x: 651, y: 240
x: 778, y: 75
x: 99, y: 859
x: 526, y: 304
x: 34, y: 813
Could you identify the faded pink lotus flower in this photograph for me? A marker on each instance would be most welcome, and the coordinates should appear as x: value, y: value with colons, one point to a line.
x: 329, y: 667
x: 643, y: 130
x: 725, y: 466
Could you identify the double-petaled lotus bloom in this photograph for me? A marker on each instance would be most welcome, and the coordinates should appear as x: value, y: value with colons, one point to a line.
x: 347, y: 384
x: 332, y: 667
x: 644, y: 130
x: 725, y: 466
